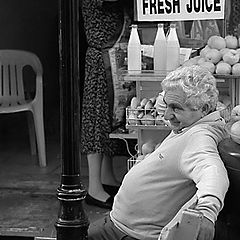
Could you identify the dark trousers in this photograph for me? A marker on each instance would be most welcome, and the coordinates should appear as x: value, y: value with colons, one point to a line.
x: 104, y: 229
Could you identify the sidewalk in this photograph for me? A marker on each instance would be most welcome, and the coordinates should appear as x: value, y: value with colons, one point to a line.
x: 28, y: 201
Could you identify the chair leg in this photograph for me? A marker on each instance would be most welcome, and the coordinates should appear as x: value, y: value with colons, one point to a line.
x: 40, y: 136
x: 31, y: 130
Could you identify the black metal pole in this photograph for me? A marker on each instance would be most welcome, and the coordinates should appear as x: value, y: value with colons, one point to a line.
x: 72, y: 222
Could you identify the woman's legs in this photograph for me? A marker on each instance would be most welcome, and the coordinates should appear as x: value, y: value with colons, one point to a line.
x: 107, y: 172
x: 95, y: 188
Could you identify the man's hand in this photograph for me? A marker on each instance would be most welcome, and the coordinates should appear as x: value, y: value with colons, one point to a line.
x: 207, y: 230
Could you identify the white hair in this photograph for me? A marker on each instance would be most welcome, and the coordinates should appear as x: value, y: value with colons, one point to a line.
x: 197, y: 83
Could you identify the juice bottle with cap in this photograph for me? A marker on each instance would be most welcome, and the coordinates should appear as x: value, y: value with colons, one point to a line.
x: 173, y: 49
x: 160, y: 50
x: 134, y: 56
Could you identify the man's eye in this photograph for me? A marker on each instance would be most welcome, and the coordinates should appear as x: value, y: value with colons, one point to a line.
x: 176, y: 109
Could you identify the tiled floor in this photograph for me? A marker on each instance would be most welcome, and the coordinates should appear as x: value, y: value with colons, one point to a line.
x: 28, y: 202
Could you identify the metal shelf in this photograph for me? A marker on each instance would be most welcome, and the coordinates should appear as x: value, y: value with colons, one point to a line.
x: 143, y: 75
x: 148, y: 127
x: 123, y: 135
x: 152, y: 76
x: 228, y: 76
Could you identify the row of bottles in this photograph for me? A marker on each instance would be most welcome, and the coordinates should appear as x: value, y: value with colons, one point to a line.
x: 166, y: 55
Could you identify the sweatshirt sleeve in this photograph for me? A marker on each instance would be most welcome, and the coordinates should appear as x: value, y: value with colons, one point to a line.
x: 201, y: 162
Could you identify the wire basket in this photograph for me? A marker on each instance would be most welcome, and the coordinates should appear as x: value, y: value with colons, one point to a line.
x: 144, y: 117
x: 132, y: 161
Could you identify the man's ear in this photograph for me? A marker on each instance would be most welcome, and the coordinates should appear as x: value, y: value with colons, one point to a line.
x: 205, y: 109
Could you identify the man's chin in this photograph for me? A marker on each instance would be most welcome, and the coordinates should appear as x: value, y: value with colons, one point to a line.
x: 175, y: 127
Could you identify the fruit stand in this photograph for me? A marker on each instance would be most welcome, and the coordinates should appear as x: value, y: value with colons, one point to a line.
x: 143, y: 118
x: 221, y: 55
x: 148, y: 85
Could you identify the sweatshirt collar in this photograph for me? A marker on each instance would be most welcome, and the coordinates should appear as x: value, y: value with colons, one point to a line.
x: 211, y: 117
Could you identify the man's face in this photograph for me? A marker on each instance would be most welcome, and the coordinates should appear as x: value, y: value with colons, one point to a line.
x: 177, y: 112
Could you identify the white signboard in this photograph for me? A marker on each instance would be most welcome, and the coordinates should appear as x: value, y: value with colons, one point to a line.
x: 179, y: 10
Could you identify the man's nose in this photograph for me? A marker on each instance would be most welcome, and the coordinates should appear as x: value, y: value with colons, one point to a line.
x: 168, y: 114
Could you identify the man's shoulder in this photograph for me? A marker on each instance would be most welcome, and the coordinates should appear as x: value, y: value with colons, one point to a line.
x: 215, y: 130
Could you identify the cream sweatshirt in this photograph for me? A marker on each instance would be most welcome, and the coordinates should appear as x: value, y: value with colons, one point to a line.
x: 155, y: 189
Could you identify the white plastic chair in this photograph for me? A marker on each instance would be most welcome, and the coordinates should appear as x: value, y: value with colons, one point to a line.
x: 14, y: 98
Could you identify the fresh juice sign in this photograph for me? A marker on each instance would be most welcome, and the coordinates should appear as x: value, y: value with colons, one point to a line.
x: 179, y: 10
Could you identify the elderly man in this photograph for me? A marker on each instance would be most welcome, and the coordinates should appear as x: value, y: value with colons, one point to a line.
x: 186, y: 163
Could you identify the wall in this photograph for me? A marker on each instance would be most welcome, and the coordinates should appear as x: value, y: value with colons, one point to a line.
x: 33, y: 25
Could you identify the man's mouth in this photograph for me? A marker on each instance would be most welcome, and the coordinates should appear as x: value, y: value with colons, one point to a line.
x: 174, y: 123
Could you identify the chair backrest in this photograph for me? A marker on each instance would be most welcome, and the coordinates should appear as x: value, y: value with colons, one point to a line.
x: 12, y: 63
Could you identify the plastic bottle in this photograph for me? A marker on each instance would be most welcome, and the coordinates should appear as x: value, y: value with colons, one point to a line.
x: 134, y: 55
x: 173, y: 49
x: 196, y: 30
x: 160, y: 50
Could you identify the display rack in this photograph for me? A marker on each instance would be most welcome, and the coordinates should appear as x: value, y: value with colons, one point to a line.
x: 148, y: 84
